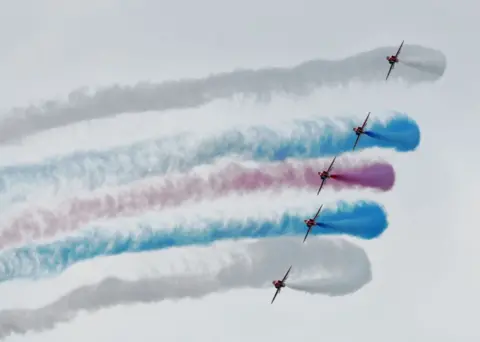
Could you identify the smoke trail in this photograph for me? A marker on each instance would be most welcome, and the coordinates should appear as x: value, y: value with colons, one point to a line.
x: 337, y: 261
x: 405, y: 136
x: 365, y: 220
x: 380, y: 176
x: 91, y: 170
x: 434, y: 65
x: 321, y: 285
x: 173, y: 191
x: 262, y: 83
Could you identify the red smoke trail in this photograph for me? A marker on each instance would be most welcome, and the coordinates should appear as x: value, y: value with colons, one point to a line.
x: 173, y: 191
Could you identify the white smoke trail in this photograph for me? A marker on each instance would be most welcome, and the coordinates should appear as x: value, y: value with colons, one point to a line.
x: 421, y: 65
x: 337, y: 260
x: 261, y: 84
x: 335, y: 285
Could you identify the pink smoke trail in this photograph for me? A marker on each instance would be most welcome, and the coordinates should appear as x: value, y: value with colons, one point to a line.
x: 158, y: 193
x: 379, y: 176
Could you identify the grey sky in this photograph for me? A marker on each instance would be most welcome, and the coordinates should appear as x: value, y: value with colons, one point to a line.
x: 94, y: 43
x: 426, y: 266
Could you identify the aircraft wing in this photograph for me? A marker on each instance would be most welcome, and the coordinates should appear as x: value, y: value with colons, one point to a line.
x: 399, y: 49
x: 318, y: 212
x: 276, y: 293
x: 390, y: 70
x: 306, y: 235
x: 321, y: 186
x: 366, y: 119
x: 286, y: 274
x: 331, y: 165
x: 356, y: 142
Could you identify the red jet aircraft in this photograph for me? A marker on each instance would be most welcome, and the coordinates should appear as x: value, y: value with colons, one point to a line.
x: 311, y: 222
x: 360, y: 130
x: 325, y: 174
x: 279, y: 284
x: 392, y: 60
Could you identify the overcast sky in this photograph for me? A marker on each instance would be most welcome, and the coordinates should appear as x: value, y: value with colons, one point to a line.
x: 425, y: 272
x: 52, y: 46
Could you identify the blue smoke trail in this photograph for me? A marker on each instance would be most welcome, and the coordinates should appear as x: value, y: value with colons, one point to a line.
x: 309, y: 139
x: 401, y: 134
x: 365, y: 220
